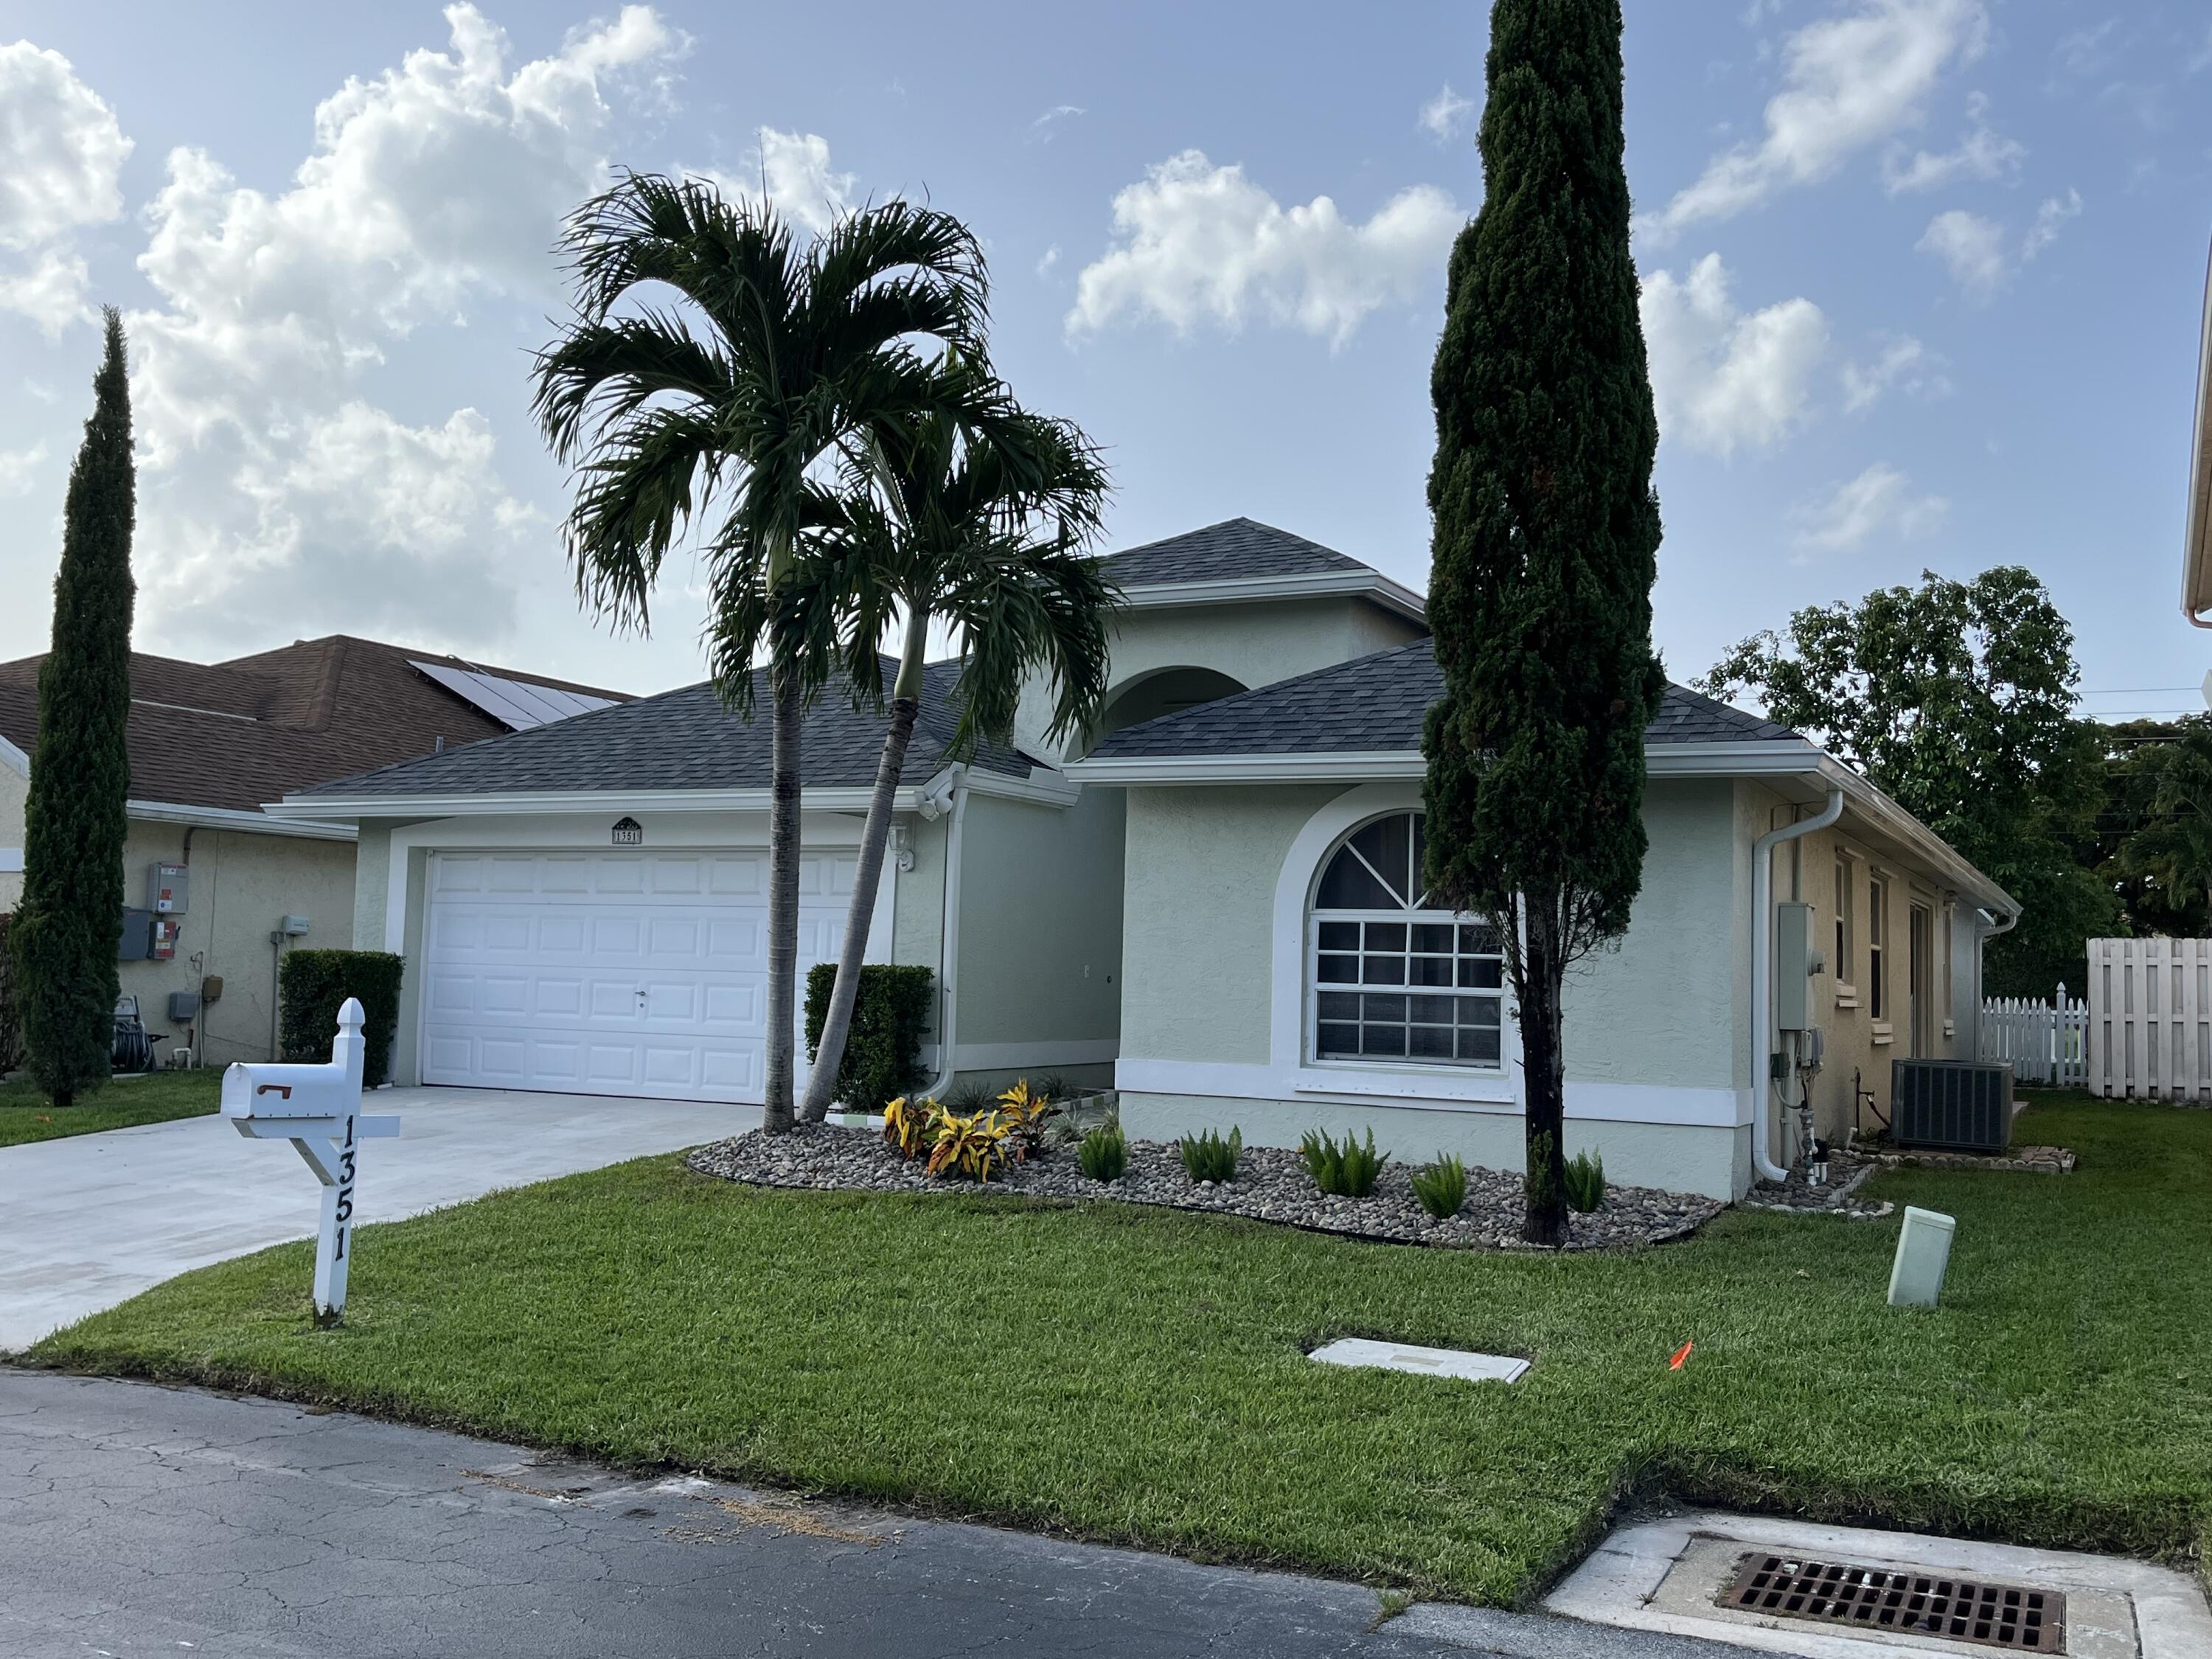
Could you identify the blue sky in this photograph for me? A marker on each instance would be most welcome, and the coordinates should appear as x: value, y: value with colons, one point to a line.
x: 1922, y: 283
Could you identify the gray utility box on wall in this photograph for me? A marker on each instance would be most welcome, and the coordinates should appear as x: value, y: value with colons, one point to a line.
x: 168, y: 889
x: 1793, y: 966
x: 1951, y: 1105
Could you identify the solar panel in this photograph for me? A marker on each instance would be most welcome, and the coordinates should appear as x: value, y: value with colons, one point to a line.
x: 516, y: 704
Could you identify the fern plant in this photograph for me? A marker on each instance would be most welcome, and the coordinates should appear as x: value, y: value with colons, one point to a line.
x: 1347, y: 1172
x: 1209, y: 1158
x: 1585, y: 1183
x: 1440, y: 1187
x: 1104, y: 1153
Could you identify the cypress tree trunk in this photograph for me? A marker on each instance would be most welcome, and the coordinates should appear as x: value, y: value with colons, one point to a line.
x: 64, y: 933
x: 867, y: 879
x: 1547, y: 534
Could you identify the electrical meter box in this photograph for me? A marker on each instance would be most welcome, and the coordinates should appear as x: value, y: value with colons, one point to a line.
x: 1793, y: 966
x: 168, y: 889
x: 161, y: 940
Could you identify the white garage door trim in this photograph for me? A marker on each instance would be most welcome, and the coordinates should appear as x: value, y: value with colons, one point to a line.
x: 638, y: 973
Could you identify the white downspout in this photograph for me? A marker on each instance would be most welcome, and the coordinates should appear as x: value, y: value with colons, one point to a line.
x: 1981, y: 937
x: 949, y: 940
x: 1762, y: 973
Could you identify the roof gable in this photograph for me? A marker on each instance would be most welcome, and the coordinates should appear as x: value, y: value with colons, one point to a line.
x: 1234, y: 550
x: 684, y: 739
x: 1377, y: 705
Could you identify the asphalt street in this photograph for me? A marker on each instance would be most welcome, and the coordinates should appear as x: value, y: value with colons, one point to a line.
x: 137, y: 1520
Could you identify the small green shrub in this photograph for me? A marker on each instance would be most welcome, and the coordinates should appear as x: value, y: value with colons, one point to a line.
x: 1209, y: 1158
x: 1442, y: 1186
x: 1054, y: 1087
x: 969, y: 1098
x: 313, y: 987
x: 1346, y: 1171
x: 1585, y: 1183
x: 1104, y: 1154
x: 883, y: 1050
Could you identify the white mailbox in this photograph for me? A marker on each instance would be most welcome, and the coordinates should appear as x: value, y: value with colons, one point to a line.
x: 317, y: 1109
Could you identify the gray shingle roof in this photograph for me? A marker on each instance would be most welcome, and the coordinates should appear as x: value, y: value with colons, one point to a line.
x: 684, y: 740
x: 1224, y: 551
x: 1377, y: 704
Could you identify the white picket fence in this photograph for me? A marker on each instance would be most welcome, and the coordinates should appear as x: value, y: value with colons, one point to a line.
x: 2045, y: 1041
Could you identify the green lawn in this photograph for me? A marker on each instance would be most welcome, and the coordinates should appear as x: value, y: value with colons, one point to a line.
x: 26, y: 1114
x: 1137, y: 1374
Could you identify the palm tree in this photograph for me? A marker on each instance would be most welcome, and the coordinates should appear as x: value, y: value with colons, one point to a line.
x: 717, y: 415
x: 973, y: 515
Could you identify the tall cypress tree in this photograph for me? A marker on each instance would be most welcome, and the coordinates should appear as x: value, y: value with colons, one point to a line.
x: 1547, y: 536
x: 65, y: 928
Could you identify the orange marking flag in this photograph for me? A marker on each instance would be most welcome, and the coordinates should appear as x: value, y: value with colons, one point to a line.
x: 1681, y: 1356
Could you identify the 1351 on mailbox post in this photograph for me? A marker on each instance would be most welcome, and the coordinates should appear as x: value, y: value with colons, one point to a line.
x: 317, y: 1109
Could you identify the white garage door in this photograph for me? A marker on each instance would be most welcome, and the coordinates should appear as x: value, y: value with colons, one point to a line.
x: 612, y: 973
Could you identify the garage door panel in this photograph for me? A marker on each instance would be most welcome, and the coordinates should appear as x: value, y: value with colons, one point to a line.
x: 536, y: 964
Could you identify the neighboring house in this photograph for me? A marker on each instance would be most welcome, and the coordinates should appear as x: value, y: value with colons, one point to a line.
x: 1212, y: 901
x: 209, y: 744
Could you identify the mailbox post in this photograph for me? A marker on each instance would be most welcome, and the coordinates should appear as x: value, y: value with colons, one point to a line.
x: 317, y: 1109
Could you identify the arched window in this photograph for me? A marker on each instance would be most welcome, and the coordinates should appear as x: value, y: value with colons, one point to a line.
x: 1389, y: 977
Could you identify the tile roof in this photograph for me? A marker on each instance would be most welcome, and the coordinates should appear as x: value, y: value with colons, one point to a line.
x: 1377, y: 704
x: 684, y: 739
x: 235, y: 734
x: 1234, y: 547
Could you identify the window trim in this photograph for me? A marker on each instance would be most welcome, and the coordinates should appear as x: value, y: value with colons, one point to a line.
x: 1847, y: 929
x: 1403, y: 1083
x: 1411, y: 916
x: 1877, y: 949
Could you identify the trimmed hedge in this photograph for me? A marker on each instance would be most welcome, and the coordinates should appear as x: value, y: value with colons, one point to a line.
x: 883, y: 1054
x: 314, y: 986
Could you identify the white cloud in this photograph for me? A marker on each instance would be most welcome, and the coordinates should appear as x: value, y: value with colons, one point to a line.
x: 1970, y: 247
x: 1044, y: 266
x: 1721, y: 377
x: 791, y: 172
x: 61, y: 157
x: 1880, y: 501
x: 2200, y: 60
x: 19, y: 468
x: 1046, y: 127
x: 1903, y: 364
x: 1983, y: 153
x: 1848, y: 81
x: 1973, y: 249
x: 2049, y: 219
x: 1444, y: 115
x: 1195, y: 242
x: 273, y: 491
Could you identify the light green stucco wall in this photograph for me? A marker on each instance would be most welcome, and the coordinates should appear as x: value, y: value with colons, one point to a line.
x: 1197, y: 941
x: 240, y: 885
x: 1255, y: 642
x: 15, y: 790
x: 1041, y: 942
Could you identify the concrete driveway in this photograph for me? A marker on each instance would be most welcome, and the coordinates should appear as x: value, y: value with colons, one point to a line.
x: 87, y: 1221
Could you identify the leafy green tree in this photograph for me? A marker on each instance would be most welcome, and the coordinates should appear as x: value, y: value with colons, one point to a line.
x: 2162, y: 858
x: 1546, y: 535
x: 713, y: 415
x: 1957, y: 699
x: 66, y: 926
x: 977, y: 526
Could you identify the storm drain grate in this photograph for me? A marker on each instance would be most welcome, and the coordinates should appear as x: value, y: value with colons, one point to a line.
x: 1884, y: 1599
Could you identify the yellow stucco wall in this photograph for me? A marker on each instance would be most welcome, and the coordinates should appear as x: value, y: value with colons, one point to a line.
x: 241, y: 884
x: 15, y: 786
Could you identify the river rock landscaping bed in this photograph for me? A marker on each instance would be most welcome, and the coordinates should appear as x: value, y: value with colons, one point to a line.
x: 1271, y: 1185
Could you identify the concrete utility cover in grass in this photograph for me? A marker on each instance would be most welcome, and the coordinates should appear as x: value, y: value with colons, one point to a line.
x: 1422, y: 1362
x: 1676, y: 1574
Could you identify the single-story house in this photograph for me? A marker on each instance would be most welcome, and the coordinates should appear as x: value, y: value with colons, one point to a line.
x: 211, y: 883
x: 1213, y: 900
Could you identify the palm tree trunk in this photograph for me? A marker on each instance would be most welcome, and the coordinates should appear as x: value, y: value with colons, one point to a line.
x: 837, y: 1019
x: 783, y: 851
